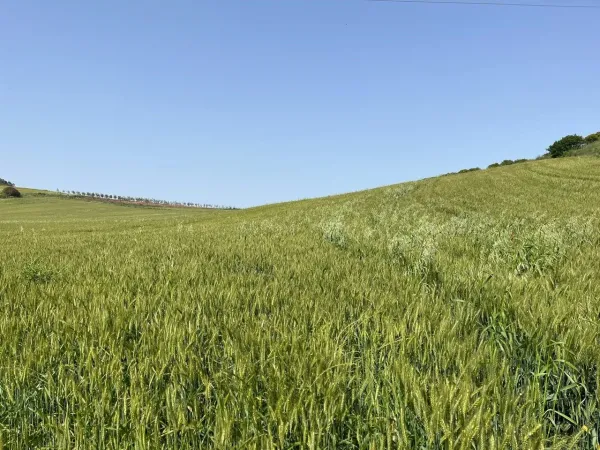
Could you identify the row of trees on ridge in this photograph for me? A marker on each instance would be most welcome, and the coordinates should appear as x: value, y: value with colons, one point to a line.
x: 141, y: 200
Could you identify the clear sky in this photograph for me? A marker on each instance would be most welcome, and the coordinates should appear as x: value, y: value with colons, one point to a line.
x: 245, y: 102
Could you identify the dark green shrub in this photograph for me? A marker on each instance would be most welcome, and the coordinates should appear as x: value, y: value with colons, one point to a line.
x: 507, y: 162
x: 10, y: 192
x: 565, y: 144
x: 5, y: 182
x: 474, y: 169
x: 592, y: 138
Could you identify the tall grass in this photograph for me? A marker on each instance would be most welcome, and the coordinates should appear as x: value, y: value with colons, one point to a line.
x: 452, y: 313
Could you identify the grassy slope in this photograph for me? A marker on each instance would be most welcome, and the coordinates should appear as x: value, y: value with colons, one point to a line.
x: 588, y: 150
x: 443, y: 313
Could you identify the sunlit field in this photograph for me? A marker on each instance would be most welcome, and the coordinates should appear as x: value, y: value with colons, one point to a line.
x: 457, y: 312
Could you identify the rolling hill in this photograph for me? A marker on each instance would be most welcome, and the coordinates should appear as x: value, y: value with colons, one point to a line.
x: 452, y: 312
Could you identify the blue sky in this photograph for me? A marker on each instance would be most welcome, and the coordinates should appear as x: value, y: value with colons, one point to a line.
x: 258, y: 101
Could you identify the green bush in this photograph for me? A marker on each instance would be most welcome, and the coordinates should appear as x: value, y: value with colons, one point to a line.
x: 592, y: 138
x: 10, y: 191
x: 474, y: 169
x: 565, y: 144
x: 6, y: 182
x: 507, y: 162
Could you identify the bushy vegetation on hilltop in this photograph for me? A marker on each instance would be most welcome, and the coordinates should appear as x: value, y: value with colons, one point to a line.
x: 560, y: 147
x: 4, y: 182
x: 507, y: 162
x: 572, y: 145
x: 595, y: 137
x: 451, y: 313
x: 591, y: 149
x: 474, y: 169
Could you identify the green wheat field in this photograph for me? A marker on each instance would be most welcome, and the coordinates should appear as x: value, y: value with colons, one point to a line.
x: 457, y: 312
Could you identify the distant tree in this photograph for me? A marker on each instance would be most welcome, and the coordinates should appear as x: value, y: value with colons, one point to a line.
x: 10, y: 192
x: 560, y: 147
x: 6, y: 182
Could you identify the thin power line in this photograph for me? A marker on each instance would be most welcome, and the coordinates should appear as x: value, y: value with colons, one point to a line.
x: 492, y: 3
